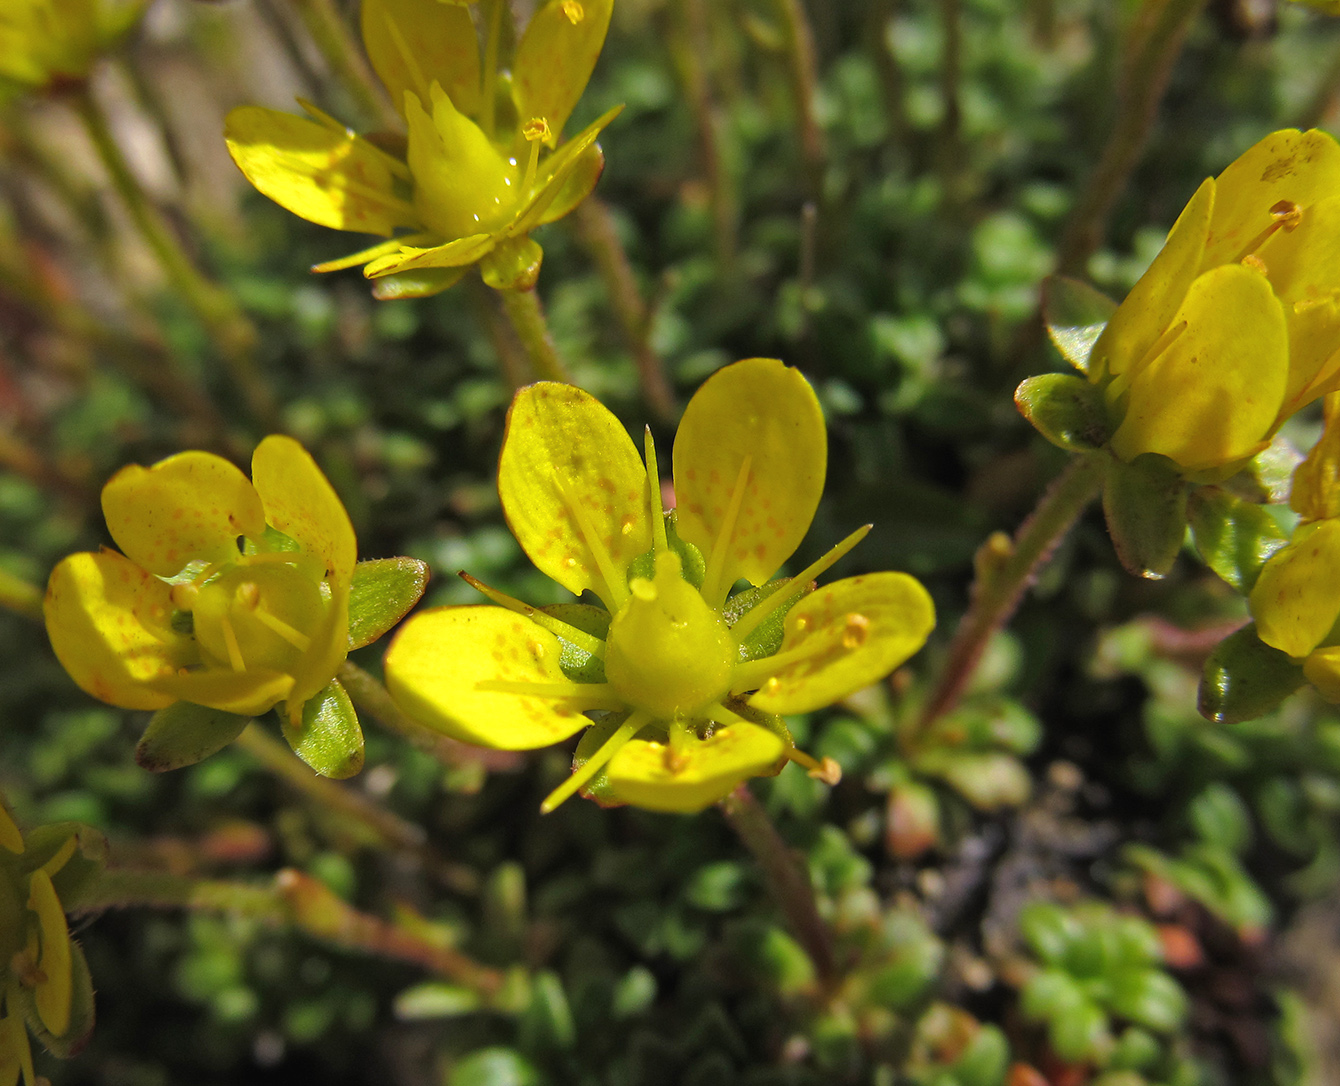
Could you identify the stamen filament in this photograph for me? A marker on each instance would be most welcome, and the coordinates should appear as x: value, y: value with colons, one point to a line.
x: 536, y: 131
x: 588, y: 769
x: 593, y: 695
x: 659, y: 542
x: 616, y: 590
x: 828, y: 771
x: 407, y: 55
x: 395, y: 165
x: 714, y: 592
x: 556, y: 626
x: 296, y: 638
x: 230, y: 642
x: 750, y: 620
x: 751, y: 674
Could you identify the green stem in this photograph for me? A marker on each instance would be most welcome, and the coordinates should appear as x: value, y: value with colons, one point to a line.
x: 1005, y: 569
x: 20, y: 597
x: 328, y: 29
x: 800, y: 56
x: 373, y: 699
x: 951, y: 122
x: 891, y: 78
x: 595, y: 226
x: 291, y: 899
x: 232, y: 332
x: 1153, y: 45
x: 526, y: 315
x: 787, y: 876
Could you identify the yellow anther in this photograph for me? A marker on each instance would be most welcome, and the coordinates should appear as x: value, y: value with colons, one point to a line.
x: 574, y: 11
x: 183, y: 596
x: 855, y: 631
x: 248, y: 595
x: 1288, y: 214
x: 537, y: 128
x: 1255, y: 263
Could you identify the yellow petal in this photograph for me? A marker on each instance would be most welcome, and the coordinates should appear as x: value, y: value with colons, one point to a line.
x: 16, y: 1058
x: 1303, y: 265
x: 332, y: 178
x: 301, y: 503
x: 845, y: 636
x: 1322, y: 670
x: 439, y: 657
x: 1148, y: 310
x: 1294, y: 601
x: 706, y: 771
x: 10, y: 837
x: 189, y: 507
x: 454, y: 254
x: 108, y: 621
x: 562, y: 449
x: 555, y: 57
x: 1315, y: 491
x: 462, y: 185
x: 329, y: 647
x: 247, y: 693
x: 53, y: 994
x: 1211, y: 396
x: 411, y: 43
x: 572, y: 172
x: 765, y: 412
x: 1301, y: 167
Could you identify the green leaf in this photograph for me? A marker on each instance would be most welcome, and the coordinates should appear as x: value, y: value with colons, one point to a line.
x: 494, y: 1067
x: 1048, y: 993
x: 1065, y: 409
x: 329, y: 738
x: 1049, y: 930
x: 1075, y: 314
x: 1221, y: 818
x: 419, y: 283
x: 988, y: 780
x: 1245, y: 678
x: 985, y: 1060
x: 381, y: 594
x: 435, y: 999
x: 1080, y: 1033
x: 1233, y: 537
x: 185, y: 733
x: 1150, y: 998
x: 1145, y: 502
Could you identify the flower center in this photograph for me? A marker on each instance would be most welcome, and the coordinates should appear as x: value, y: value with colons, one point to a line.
x: 668, y: 653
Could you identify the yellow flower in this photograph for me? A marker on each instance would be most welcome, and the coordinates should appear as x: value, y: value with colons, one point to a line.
x: 46, y: 42
x: 37, y: 958
x: 232, y: 593
x: 477, y: 174
x: 687, y: 683
x: 1235, y: 325
x: 1296, y: 598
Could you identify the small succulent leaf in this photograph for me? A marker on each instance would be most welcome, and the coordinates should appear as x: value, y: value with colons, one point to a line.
x: 989, y: 780
x: 1080, y: 1033
x: 1049, y: 930
x: 329, y: 738
x: 1146, y: 506
x: 381, y: 593
x: 913, y: 825
x: 1233, y: 537
x: 439, y: 657
x: 1150, y: 998
x: 420, y: 283
x: 709, y: 770
x: 1067, y: 410
x: 184, y: 734
x: 514, y: 264
x: 1244, y: 678
x: 1075, y: 314
x: 1221, y: 818
x: 765, y: 413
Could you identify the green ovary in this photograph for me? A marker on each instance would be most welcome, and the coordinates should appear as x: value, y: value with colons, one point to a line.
x: 252, y: 617
x: 668, y: 653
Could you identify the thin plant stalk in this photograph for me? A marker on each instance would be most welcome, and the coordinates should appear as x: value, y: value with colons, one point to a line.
x: 19, y: 597
x: 595, y: 227
x: 526, y: 315
x: 951, y: 81
x: 787, y: 877
x: 512, y: 360
x: 290, y: 899
x: 1005, y: 570
x: 1153, y: 46
x: 332, y: 35
x: 800, y: 54
x: 891, y: 78
x: 230, y: 329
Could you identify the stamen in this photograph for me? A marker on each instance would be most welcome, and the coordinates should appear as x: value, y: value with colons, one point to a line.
x: 592, y: 695
x: 714, y: 592
x: 676, y: 750
x: 750, y: 620
x: 296, y: 638
x: 556, y: 626
x: 588, y: 769
x: 230, y: 642
x: 574, y: 11
x: 827, y: 771
x: 536, y: 131
x: 407, y: 55
x: 616, y: 591
x: 1285, y: 215
x: 751, y: 674
x: 659, y: 542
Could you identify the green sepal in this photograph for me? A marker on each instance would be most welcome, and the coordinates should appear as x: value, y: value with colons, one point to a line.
x: 1145, y: 502
x: 85, y: 864
x: 692, y: 567
x: 380, y: 595
x: 329, y: 738
x: 81, y: 1010
x: 1245, y: 678
x: 579, y: 665
x: 185, y: 733
x: 598, y: 787
x: 989, y: 780
x: 1233, y: 537
x: 1067, y: 410
x: 766, y: 639
x: 513, y: 265
x: 1075, y: 314
x: 419, y: 283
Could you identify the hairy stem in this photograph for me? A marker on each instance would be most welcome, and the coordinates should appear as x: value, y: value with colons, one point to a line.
x: 1005, y: 569
x: 787, y: 876
x: 526, y: 315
